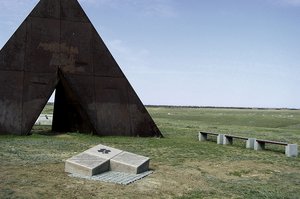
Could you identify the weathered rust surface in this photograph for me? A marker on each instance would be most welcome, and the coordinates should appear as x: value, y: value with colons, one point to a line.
x: 57, y: 47
x: 11, y: 93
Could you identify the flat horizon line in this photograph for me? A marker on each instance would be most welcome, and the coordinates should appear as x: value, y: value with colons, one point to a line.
x: 224, y: 107
x: 216, y: 107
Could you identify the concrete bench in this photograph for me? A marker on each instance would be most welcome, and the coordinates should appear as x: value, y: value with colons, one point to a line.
x: 203, y: 136
x: 291, y: 150
x: 228, y: 139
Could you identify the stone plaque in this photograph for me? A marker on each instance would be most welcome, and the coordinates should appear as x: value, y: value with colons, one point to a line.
x: 86, y: 164
x: 129, y: 163
x: 103, y: 151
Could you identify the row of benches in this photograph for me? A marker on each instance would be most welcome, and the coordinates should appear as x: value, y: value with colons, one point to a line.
x: 291, y: 150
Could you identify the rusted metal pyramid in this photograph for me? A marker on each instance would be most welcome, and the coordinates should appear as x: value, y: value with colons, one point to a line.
x: 57, y: 47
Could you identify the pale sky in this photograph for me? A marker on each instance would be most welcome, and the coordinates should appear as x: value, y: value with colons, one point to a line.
x: 243, y: 53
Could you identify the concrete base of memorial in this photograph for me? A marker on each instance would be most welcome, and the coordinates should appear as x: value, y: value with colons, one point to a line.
x: 102, y: 158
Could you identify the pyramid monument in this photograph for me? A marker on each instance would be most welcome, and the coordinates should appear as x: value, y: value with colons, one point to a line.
x: 58, y: 48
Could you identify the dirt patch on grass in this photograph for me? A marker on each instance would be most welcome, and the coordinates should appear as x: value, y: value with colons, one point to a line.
x: 240, y: 169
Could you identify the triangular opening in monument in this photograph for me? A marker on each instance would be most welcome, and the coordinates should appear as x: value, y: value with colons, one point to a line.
x: 43, y: 123
x: 63, y: 113
x: 68, y: 113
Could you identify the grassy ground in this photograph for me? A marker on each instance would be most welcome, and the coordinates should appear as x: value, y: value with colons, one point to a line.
x: 33, y: 166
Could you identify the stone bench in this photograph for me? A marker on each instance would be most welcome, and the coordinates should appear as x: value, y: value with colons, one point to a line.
x: 228, y: 139
x: 203, y: 135
x: 291, y: 150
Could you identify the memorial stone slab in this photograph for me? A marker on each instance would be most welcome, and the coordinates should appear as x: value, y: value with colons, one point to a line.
x: 129, y: 163
x: 86, y: 164
x: 101, y: 158
x: 103, y: 151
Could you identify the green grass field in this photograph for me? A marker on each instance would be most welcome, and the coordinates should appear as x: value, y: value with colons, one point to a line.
x: 33, y: 166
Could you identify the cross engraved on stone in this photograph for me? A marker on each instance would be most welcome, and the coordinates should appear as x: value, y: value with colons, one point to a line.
x: 104, y: 151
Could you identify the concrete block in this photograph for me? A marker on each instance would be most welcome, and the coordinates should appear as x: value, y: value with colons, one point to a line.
x: 93, y: 161
x: 291, y: 150
x: 220, y: 139
x: 250, y: 143
x: 102, y: 158
x: 259, y: 146
x: 129, y: 163
x: 103, y: 151
x: 227, y: 140
x: 202, y: 136
x: 86, y: 164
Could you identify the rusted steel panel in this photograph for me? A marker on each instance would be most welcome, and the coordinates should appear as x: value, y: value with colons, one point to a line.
x: 13, y: 53
x: 47, y: 9
x: 142, y: 123
x: 43, y: 45
x: 11, y: 91
x: 37, y: 90
x: 112, y: 107
x: 103, y: 62
x: 83, y: 86
x: 76, y: 52
x: 72, y: 11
